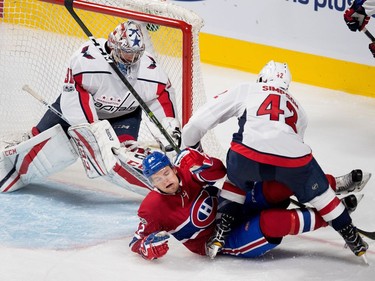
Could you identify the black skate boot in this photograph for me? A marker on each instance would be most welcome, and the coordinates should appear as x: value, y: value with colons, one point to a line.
x: 354, y: 181
x: 353, y: 240
x: 351, y: 202
x: 217, y: 240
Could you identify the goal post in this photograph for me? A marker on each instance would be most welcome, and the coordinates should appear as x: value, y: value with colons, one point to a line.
x: 38, y: 38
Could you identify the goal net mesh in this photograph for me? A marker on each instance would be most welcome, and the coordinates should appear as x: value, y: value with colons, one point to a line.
x: 39, y: 37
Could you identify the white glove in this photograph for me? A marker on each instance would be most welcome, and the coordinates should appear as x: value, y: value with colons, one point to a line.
x: 172, y: 126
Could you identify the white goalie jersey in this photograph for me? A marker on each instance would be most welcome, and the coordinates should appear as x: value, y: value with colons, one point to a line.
x: 93, y: 91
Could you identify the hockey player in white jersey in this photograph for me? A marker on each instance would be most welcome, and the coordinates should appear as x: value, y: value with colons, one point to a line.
x: 358, y: 15
x: 101, y: 116
x: 269, y: 145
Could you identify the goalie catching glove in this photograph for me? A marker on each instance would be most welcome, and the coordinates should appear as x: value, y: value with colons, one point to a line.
x: 154, y: 246
x: 172, y: 126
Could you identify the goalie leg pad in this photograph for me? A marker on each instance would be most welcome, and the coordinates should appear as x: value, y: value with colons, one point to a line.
x: 103, y: 156
x: 95, y: 144
x: 35, y: 159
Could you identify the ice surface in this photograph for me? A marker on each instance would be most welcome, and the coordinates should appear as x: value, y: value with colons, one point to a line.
x: 76, y: 229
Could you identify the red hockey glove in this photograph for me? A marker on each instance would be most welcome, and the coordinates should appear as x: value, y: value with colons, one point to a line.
x: 154, y: 246
x: 372, y: 48
x: 193, y: 160
x: 356, y: 18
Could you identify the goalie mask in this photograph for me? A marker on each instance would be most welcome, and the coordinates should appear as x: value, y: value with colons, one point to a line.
x: 126, y: 43
x: 277, y: 72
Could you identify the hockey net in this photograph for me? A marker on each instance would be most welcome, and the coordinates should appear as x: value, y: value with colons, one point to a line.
x: 38, y: 38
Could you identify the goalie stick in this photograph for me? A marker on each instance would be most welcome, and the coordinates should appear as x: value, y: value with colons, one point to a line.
x: 69, y: 6
x: 28, y: 89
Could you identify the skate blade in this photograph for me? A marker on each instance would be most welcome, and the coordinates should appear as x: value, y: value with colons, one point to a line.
x: 214, y: 249
x: 364, y: 258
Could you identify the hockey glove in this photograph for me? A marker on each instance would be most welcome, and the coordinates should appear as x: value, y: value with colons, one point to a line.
x: 193, y: 160
x: 356, y: 17
x: 372, y: 48
x: 154, y: 246
x: 172, y: 126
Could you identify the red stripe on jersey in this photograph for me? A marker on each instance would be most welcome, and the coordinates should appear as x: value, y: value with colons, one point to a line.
x: 84, y: 98
x: 330, y: 207
x: 165, y: 101
x: 270, y: 159
x: 227, y: 186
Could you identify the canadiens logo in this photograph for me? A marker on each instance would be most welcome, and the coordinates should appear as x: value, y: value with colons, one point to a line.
x: 203, y: 212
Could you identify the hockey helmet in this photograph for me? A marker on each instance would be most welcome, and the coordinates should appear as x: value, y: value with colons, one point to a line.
x: 154, y: 162
x: 126, y: 43
x: 277, y: 72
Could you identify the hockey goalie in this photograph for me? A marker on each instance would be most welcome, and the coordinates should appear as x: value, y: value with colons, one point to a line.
x: 99, y: 118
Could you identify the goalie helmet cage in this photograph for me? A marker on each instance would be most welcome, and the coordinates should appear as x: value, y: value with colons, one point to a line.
x: 39, y: 37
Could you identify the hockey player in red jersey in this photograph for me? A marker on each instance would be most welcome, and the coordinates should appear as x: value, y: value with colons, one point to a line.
x: 101, y: 116
x: 184, y: 203
x: 358, y: 15
x: 269, y: 146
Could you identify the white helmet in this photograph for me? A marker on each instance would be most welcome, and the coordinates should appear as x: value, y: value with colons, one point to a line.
x: 277, y: 72
x: 126, y: 43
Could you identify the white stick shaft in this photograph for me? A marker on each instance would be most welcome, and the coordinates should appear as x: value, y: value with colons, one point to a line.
x: 28, y: 89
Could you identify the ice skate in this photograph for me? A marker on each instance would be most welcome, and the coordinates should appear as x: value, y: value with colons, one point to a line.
x: 217, y: 240
x: 353, y: 240
x: 351, y: 202
x: 355, y: 181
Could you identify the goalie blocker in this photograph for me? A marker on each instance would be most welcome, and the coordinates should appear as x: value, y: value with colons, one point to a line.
x: 96, y: 144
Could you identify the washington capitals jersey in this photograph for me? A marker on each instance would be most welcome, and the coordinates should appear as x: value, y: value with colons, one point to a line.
x: 369, y: 7
x: 92, y: 90
x: 188, y: 215
x: 271, y: 124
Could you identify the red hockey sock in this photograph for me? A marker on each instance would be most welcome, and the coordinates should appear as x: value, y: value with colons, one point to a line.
x: 278, y: 223
x: 331, y: 181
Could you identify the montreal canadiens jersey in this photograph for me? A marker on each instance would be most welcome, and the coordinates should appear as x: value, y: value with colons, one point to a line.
x: 271, y: 124
x: 92, y: 90
x: 188, y: 215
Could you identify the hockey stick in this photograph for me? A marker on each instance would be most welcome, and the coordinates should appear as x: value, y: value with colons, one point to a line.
x: 27, y: 88
x: 368, y: 34
x: 69, y: 6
